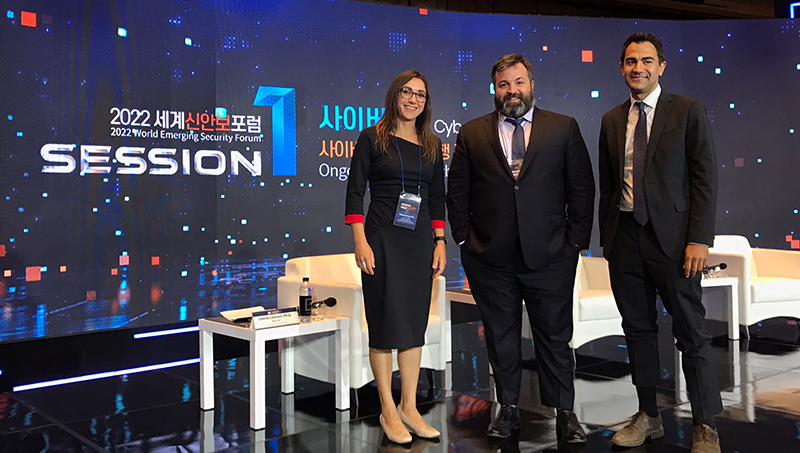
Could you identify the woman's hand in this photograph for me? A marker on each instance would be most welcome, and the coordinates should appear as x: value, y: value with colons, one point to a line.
x: 365, y: 259
x: 439, y: 259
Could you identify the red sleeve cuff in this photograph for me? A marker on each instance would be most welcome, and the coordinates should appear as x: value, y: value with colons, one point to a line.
x: 353, y: 218
x: 437, y: 224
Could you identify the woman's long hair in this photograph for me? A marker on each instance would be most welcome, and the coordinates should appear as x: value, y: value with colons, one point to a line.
x: 388, y: 123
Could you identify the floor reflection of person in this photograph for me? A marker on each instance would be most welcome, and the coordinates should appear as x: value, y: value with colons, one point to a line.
x: 400, y: 160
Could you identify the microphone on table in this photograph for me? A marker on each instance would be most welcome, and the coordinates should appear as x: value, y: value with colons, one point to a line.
x: 329, y: 302
x: 717, y: 270
x: 716, y: 267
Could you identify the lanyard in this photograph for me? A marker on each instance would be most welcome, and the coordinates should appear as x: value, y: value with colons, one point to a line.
x: 402, y: 171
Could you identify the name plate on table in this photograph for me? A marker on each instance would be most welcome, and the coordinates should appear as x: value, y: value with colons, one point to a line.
x: 273, y: 318
x: 241, y: 315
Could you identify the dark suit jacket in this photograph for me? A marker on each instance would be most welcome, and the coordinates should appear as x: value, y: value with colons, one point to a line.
x: 551, y: 204
x: 680, y: 178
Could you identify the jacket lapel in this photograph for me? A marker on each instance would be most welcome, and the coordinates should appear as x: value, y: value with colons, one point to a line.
x: 493, y: 136
x: 660, y: 118
x: 621, y: 133
x: 538, y: 126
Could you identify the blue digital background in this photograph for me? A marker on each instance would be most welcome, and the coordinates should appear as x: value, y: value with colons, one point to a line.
x: 221, y: 241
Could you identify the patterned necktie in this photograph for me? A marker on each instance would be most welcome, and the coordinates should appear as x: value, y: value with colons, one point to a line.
x: 518, y: 139
x: 639, y: 162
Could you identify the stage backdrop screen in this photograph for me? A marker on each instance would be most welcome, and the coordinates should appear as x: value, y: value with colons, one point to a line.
x: 161, y: 160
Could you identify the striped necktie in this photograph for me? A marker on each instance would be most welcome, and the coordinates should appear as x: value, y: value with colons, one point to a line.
x: 518, y: 139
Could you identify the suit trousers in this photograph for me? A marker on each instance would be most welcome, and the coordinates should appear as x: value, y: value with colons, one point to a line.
x: 639, y: 269
x: 498, y: 293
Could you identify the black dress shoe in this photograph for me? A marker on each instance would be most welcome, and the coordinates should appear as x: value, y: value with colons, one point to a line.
x: 507, y: 420
x: 568, y: 429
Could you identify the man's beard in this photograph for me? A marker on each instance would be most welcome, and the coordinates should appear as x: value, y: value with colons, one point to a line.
x: 515, y: 110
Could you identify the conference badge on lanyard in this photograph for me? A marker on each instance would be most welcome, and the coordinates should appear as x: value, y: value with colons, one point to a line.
x: 405, y: 216
x: 407, y: 210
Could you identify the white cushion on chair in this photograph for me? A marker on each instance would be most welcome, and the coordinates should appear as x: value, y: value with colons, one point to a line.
x: 737, y: 245
x: 594, y: 311
x: 597, y: 304
x: 775, y: 289
x: 433, y: 334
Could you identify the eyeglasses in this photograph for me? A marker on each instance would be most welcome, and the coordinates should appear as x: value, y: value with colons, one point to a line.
x: 406, y: 93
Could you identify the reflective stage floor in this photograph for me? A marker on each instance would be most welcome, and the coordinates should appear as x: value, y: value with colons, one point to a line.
x: 159, y: 411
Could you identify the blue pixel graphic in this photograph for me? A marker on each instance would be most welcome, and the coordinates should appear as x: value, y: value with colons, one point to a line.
x: 284, y: 129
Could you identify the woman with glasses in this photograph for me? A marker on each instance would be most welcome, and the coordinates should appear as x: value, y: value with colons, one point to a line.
x: 400, y: 160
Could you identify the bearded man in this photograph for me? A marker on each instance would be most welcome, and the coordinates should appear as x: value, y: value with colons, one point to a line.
x: 521, y: 203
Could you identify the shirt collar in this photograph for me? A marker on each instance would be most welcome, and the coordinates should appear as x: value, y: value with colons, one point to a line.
x: 651, y: 100
x: 528, y: 117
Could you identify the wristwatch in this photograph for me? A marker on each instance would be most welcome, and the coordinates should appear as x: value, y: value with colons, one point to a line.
x: 440, y: 238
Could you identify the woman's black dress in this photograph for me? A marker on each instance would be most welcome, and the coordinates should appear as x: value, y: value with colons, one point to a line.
x: 397, y: 298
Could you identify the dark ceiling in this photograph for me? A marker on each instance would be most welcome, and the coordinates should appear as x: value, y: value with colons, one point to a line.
x: 645, y: 9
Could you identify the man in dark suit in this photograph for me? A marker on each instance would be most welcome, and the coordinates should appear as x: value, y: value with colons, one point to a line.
x: 521, y: 205
x: 658, y: 193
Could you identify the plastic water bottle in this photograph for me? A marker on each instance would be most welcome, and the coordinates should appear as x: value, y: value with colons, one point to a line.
x: 304, y: 309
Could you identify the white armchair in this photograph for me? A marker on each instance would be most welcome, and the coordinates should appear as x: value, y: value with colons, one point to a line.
x: 338, y: 276
x: 594, y: 312
x: 769, y: 279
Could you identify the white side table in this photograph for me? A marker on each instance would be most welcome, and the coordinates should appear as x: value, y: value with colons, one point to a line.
x: 338, y: 327
x: 460, y: 295
x: 732, y: 286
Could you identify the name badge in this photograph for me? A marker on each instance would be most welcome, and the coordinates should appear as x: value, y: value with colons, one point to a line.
x: 407, y: 210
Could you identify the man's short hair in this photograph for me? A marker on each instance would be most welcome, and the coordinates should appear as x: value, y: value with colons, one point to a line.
x: 510, y: 60
x: 644, y: 37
